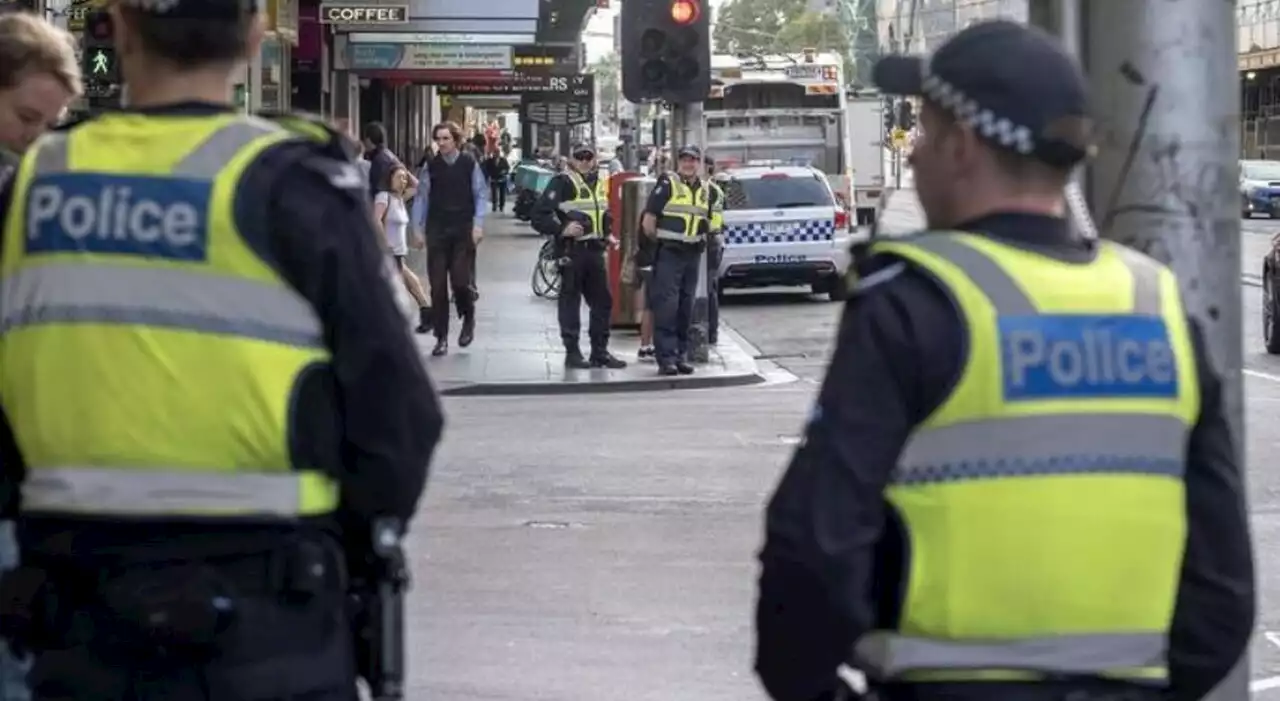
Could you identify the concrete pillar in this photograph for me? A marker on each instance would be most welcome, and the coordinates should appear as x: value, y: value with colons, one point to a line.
x: 1165, y: 86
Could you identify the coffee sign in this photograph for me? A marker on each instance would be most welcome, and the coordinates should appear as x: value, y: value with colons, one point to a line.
x: 364, y: 14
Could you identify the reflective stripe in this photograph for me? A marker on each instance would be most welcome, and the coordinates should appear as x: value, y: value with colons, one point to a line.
x: 677, y: 236
x: 183, y: 299
x: 889, y: 655
x: 1018, y: 446
x: 149, y: 491
x: 205, y: 162
x: 1007, y: 296
x: 683, y: 209
x: 1003, y: 291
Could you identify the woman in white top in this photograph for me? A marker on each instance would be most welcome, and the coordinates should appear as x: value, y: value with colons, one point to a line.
x: 391, y: 214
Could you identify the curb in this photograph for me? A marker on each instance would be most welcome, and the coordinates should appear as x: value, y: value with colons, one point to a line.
x: 761, y: 375
x: 529, y: 389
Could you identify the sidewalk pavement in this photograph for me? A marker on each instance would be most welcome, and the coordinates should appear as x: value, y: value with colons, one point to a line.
x: 902, y: 214
x: 517, y: 348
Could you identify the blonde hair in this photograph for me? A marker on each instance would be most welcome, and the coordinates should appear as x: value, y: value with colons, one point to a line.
x: 29, y: 44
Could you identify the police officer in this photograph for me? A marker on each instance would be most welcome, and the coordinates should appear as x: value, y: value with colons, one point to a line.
x: 1017, y: 481
x: 205, y: 381
x: 683, y: 209
x: 574, y: 209
x: 715, y: 252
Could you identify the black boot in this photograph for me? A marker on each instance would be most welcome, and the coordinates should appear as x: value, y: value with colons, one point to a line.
x: 442, y: 347
x: 468, y: 333
x: 574, y: 361
x: 605, y: 359
x: 424, y: 320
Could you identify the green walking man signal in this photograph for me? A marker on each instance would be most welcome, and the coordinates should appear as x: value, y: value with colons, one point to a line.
x: 101, y: 63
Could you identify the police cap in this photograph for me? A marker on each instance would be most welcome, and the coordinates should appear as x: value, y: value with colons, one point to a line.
x: 1015, y: 85
x: 204, y: 9
x: 583, y: 151
x: 689, y: 151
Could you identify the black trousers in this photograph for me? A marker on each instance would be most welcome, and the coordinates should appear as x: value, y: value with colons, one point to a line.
x: 498, y: 194
x: 450, y: 267
x: 585, y: 277
x: 273, y: 648
x: 673, y: 287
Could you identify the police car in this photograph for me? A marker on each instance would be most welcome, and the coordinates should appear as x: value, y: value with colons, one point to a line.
x: 782, y: 227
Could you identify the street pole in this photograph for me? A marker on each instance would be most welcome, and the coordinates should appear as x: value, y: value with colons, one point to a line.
x: 1164, y: 77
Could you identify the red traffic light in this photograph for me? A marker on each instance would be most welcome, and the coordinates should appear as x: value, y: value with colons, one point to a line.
x: 98, y: 25
x: 685, y: 12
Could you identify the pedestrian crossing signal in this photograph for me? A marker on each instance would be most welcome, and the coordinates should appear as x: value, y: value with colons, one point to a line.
x: 100, y: 65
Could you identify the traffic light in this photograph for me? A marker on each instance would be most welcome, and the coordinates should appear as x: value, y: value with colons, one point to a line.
x: 99, y: 57
x: 906, y: 114
x: 890, y: 115
x: 666, y: 50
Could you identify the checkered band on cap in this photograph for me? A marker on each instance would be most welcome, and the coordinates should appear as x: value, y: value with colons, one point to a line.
x: 966, y: 110
x: 158, y: 7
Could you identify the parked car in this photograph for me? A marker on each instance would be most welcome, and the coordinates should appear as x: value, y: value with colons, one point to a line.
x: 1260, y: 188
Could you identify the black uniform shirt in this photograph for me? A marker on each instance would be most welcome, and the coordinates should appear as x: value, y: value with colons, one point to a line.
x: 548, y: 220
x: 373, y: 418
x: 833, y: 558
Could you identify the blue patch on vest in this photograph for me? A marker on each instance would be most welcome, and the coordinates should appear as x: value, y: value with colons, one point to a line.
x: 1082, y: 356
x: 154, y: 217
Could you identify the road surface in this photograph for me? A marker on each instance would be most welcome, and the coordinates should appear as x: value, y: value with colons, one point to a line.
x: 576, y: 548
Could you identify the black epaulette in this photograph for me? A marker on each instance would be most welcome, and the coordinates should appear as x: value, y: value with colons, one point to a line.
x: 333, y: 143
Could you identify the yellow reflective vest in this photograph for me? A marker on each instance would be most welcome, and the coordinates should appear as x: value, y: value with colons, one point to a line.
x: 587, y: 202
x: 686, y: 209
x: 148, y: 356
x: 1044, y: 499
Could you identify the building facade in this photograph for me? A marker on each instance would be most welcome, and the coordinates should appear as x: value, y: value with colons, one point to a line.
x: 1258, y: 47
x: 921, y: 26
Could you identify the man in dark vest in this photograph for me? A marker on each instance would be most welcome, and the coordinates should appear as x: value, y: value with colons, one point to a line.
x: 453, y: 200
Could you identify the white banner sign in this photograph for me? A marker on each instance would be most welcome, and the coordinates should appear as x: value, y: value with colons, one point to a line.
x: 427, y: 57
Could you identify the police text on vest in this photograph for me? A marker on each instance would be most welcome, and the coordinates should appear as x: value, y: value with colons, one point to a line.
x: 155, y: 217
x: 1086, y: 356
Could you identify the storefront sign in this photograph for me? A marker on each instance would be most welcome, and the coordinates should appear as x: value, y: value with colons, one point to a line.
x: 364, y: 14
x: 78, y: 10
x: 427, y: 57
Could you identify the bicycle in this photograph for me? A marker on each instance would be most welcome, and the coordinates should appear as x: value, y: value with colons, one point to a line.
x: 546, y: 272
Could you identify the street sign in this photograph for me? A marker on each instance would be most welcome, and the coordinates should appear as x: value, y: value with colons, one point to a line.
x: 899, y: 138
x: 577, y: 87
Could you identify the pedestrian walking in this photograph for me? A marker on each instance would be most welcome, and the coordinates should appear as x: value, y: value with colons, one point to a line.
x: 381, y: 160
x: 678, y: 216
x: 222, y: 364
x: 39, y: 76
x: 497, y: 169
x: 450, y: 209
x: 1018, y: 482
x: 574, y: 209
x: 390, y: 213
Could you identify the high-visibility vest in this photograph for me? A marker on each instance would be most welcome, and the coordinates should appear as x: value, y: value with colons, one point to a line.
x: 1044, y: 499
x: 589, y: 202
x: 148, y: 356
x: 716, y: 216
x: 684, y: 211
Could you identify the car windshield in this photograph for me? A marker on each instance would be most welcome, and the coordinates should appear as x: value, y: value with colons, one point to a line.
x: 1261, y: 170
x: 776, y: 192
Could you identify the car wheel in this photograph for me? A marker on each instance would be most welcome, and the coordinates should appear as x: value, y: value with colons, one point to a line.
x: 1270, y: 320
x: 832, y: 286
